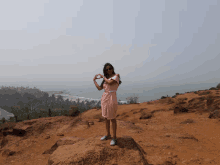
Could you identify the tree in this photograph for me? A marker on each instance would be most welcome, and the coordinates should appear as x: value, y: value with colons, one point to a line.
x: 60, y: 100
x: 3, y: 120
x: 49, y: 112
x: 98, y: 104
x: 34, y: 104
x: 21, y: 104
x: 87, y: 104
x: 132, y: 99
x: 53, y: 98
x: 45, y: 100
x: 27, y: 98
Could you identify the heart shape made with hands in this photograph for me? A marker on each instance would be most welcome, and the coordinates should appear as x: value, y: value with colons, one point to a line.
x: 98, y: 77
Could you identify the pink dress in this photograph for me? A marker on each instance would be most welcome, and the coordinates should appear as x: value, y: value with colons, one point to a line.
x: 109, y: 103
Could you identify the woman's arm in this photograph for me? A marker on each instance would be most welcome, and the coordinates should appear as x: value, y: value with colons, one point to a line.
x: 118, y: 75
x: 109, y: 81
x: 97, y: 86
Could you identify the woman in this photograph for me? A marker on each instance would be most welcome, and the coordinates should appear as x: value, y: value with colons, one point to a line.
x: 109, y: 101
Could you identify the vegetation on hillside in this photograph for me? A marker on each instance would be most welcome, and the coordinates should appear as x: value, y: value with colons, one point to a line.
x: 35, y: 103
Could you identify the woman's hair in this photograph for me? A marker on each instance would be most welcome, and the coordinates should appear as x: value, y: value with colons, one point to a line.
x: 106, y: 73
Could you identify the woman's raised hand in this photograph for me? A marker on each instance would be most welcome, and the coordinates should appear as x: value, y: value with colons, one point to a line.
x: 96, y: 77
x: 101, y: 76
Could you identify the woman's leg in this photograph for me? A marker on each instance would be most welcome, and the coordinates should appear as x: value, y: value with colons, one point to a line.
x: 107, y: 126
x: 114, y: 127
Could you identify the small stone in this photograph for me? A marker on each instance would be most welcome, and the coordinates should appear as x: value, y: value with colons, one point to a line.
x: 91, y: 122
x: 60, y: 134
x: 47, y: 136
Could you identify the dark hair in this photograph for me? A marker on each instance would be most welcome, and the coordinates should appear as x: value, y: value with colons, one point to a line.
x: 106, y: 73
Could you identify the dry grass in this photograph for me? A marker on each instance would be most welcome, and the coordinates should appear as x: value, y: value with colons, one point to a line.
x: 167, y: 100
x: 99, y: 117
x: 150, y: 103
x: 145, y: 115
x: 170, y: 100
x: 204, y: 93
x: 180, y: 103
x: 7, y: 125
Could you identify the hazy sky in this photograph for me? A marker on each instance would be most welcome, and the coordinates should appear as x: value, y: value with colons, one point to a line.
x: 147, y: 41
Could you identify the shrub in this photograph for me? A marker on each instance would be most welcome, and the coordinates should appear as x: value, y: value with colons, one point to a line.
x: 181, y: 101
x: 212, y: 88
x: 204, y: 93
x: 163, y: 97
x: 170, y: 101
x: 3, y: 120
x: 177, y: 93
x: 218, y: 86
x: 132, y: 100
x: 75, y: 113
x: 202, y: 98
x: 7, y: 125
